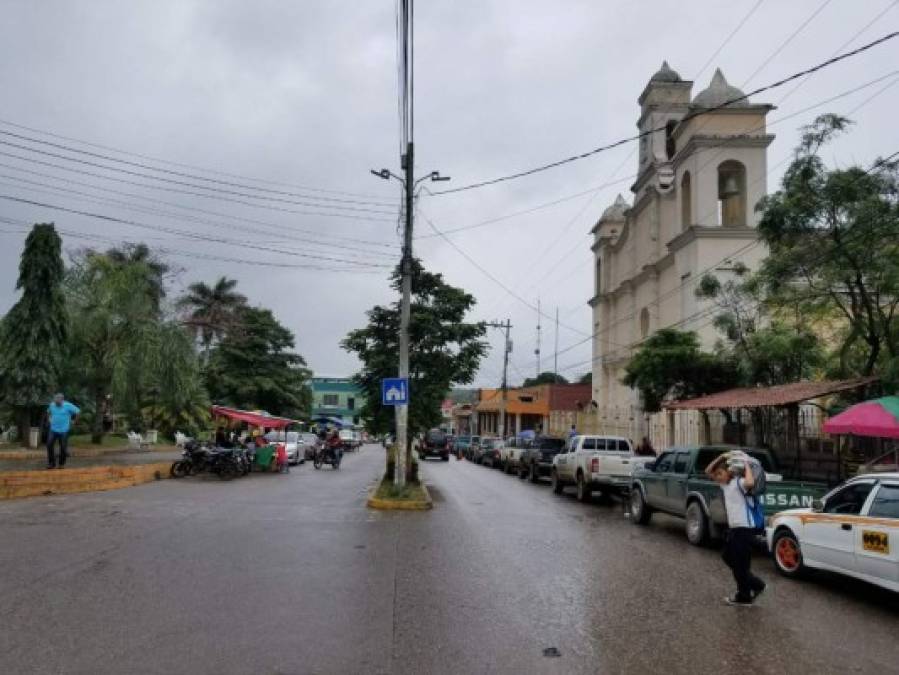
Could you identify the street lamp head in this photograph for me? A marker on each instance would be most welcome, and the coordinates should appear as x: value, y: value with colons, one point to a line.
x: 435, y: 176
x: 383, y: 173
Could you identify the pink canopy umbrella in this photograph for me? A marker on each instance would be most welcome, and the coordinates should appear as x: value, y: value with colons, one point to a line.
x: 878, y: 418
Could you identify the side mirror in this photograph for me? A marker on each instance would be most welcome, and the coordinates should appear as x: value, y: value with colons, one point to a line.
x: 817, y: 505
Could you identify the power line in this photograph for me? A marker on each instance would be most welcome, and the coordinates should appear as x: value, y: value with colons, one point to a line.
x: 191, y: 235
x: 696, y: 113
x: 182, y: 174
x: 105, y: 201
x: 195, y: 167
x: 173, y: 181
x: 729, y: 38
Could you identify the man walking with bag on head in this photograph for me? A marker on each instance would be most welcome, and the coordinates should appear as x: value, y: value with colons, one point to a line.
x: 60, y: 414
x: 745, y: 519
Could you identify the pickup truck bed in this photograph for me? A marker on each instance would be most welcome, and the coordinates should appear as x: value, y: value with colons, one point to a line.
x: 676, y: 484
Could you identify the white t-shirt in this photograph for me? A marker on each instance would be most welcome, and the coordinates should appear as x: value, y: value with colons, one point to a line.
x: 735, y: 504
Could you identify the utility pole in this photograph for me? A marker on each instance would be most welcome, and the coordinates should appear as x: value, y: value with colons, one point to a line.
x: 537, y: 351
x: 556, y: 351
x: 507, y: 349
x: 407, y: 88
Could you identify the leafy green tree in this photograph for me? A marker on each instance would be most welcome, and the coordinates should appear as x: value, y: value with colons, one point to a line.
x: 176, y: 399
x: 444, y: 350
x: 671, y: 365
x: 546, y: 377
x: 33, y: 334
x: 113, y: 328
x: 833, y: 238
x: 255, y: 367
x: 586, y: 378
x: 155, y: 268
x: 767, y: 349
x: 213, y: 310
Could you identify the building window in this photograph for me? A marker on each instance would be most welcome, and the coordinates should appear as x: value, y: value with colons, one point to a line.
x: 670, y: 146
x: 351, y: 403
x: 598, y: 276
x: 731, y: 193
x: 644, y: 322
x: 356, y: 421
x: 686, y: 201
x: 331, y: 400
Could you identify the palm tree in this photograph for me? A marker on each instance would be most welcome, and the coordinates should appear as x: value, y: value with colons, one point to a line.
x: 141, y: 254
x: 213, y: 310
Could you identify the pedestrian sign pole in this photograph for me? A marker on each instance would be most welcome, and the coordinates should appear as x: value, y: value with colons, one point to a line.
x: 395, y: 392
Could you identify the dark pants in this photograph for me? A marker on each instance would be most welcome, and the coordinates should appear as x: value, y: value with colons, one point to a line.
x: 63, y: 439
x: 738, y: 556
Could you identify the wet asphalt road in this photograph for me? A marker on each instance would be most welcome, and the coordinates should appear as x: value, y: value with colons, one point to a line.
x: 290, y: 574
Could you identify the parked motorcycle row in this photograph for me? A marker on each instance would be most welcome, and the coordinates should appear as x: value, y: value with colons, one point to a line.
x: 228, y: 463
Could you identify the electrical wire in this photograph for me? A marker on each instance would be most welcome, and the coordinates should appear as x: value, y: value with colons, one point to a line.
x: 694, y: 114
x: 191, y: 235
x: 729, y: 38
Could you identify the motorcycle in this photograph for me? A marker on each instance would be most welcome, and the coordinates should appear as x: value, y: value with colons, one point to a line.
x: 194, y: 460
x: 327, y: 455
x: 225, y: 463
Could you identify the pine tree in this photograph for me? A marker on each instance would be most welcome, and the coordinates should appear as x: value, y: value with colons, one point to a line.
x: 34, y: 332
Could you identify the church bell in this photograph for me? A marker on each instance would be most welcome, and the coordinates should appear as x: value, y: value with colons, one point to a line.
x: 730, y: 188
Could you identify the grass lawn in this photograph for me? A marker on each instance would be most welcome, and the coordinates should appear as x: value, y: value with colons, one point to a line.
x: 109, y: 441
x: 410, y: 491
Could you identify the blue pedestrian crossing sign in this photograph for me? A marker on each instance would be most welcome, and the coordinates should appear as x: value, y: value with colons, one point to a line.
x: 395, y: 391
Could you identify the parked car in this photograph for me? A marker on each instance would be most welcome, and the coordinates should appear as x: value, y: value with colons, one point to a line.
x: 537, y: 460
x: 434, y: 444
x: 852, y: 530
x: 676, y: 484
x: 474, y: 448
x: 603, y: 463
x: 347, y: 439
x: 357, y: 438
x: 309, y: 442
x: 295, y: 453
x: 511, y: 455
x: 491, y: 452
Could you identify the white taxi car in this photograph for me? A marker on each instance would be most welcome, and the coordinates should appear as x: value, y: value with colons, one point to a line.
x: 853, y: 530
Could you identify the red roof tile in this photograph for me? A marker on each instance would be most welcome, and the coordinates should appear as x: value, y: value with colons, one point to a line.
x: 757, y: 397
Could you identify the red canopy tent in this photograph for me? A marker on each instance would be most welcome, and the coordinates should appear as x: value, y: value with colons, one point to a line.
x: 254, y: 418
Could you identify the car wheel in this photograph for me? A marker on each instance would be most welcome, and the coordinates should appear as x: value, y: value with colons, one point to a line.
x: 696, y: 524
x: 787, y: 554
x: 640, y: 511
x: 534, y: 476
x: 445, y: 458
x: 583, y: 489
x: 522, y: 473
x: 557, y: 484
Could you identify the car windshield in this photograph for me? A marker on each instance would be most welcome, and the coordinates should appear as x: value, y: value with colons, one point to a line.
x: 436, y: 436
x: 551, y: 443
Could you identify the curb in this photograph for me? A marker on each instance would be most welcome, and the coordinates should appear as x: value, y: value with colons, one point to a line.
x: 17, y: 455
x: 18, y: 484
x: 399, y: 505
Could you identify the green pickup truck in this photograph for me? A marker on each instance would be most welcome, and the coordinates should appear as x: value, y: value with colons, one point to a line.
x: 676, y: 484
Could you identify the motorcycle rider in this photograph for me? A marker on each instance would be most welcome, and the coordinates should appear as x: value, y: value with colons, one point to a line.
x: 334, y: 446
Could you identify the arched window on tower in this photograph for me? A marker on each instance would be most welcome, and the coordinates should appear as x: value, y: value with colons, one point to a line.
x: 670, y: 145
x: 598, y: 276
x: 686, y: 201
x: 731, y: 193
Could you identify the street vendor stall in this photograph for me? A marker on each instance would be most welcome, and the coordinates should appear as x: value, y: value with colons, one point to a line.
x: 878, y: 418
x: 269, y: 455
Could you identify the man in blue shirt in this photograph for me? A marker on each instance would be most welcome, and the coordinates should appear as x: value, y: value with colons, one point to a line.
x: 60, y: 413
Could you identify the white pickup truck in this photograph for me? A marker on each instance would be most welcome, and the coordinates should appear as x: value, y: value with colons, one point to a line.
x: 595, y: 463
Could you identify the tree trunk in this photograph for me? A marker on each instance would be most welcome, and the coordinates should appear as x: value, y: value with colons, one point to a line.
x: 23, y: 423
x: 97, y: 425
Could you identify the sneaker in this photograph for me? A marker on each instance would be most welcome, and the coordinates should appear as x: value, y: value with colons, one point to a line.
x: 51, y: 466
x: 736, y: 601
x: 756, y: 593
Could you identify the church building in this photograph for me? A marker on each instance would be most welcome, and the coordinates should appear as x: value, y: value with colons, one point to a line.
x: 702, y: 168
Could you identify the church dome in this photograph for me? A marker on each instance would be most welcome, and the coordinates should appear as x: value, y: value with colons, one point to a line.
x: 718, y: 93
x: 665, y: 74
x: 616, y: 210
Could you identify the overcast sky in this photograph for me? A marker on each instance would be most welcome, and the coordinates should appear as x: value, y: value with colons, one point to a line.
x: 304, y: 94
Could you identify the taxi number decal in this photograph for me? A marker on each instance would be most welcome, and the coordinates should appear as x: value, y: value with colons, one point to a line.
x: 879, y: 542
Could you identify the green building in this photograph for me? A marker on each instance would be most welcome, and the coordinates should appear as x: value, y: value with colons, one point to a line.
x: 336, y: 400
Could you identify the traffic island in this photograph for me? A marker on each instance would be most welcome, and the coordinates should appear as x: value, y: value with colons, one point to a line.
x: 411, y: 497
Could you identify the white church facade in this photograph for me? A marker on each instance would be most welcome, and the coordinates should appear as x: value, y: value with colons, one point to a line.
x: 692, y: 212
